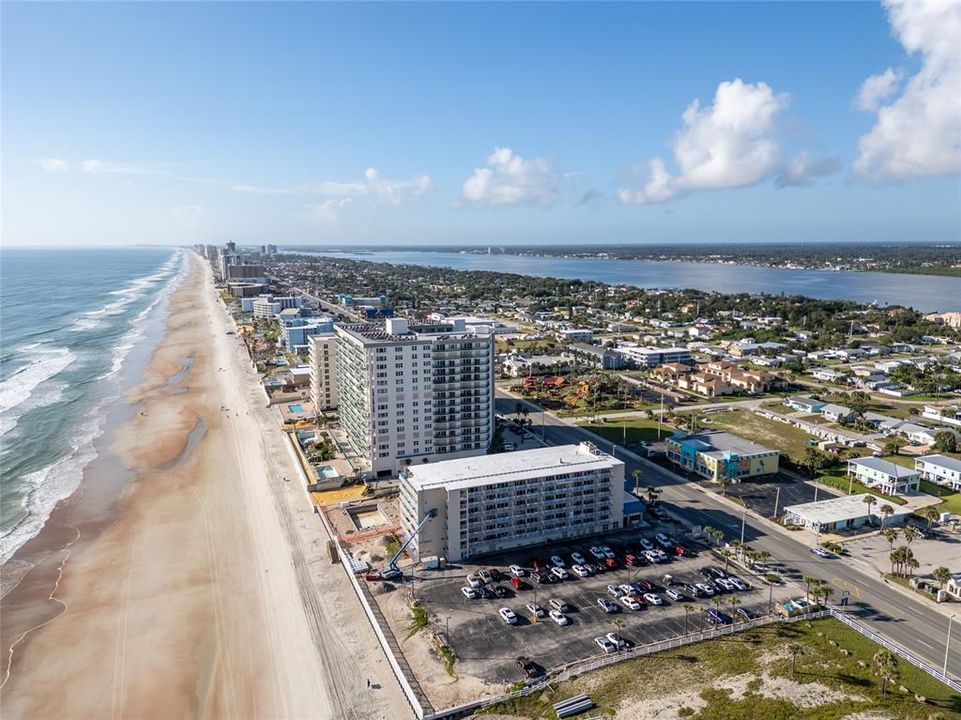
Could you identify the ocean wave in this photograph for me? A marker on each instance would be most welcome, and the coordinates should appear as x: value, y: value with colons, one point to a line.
x: 48, y: 362
x: 51, y: 484
x: 46, y: 394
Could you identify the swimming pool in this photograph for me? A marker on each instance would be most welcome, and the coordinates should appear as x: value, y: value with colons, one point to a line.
x: 296, y: 408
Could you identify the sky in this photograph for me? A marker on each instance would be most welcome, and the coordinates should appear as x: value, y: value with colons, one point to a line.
x: 493, y: 124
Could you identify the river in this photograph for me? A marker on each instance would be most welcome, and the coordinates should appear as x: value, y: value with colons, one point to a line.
x: 926, y: 293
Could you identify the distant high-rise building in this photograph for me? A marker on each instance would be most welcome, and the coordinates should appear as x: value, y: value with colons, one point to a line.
x: 263, y: 249
x: 231, y: 247
x: 271, y: 249
x: 410, y: 394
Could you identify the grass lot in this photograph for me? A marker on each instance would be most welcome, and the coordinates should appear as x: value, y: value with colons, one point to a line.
x: 748, y: 677
x: 776, y: 435
x: 638, y: 430
x: 838, y: 478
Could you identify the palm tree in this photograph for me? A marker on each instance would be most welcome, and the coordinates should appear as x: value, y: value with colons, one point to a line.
x: 908, y: 538
x: 796, y: 650
x: 826, y: 592
x: 942, y: 575
x: 890, y: 534
x: 734, y: 602
x: 930, y: 513
x: 637, y: 479
x: 869, y: 500
x: 886, y: 668
x: 718, y: 536
x: 618, y: 624
x: 809, y: 582
x: 726, y: 554
x: 688, y: 609
x: 886, y: 512
x: 652, y: 493
x: 771, y: 578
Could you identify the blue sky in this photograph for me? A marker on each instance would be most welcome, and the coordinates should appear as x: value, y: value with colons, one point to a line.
x: 493, y: 124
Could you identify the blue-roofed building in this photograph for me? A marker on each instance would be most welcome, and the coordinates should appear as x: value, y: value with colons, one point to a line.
x: 721, y: 456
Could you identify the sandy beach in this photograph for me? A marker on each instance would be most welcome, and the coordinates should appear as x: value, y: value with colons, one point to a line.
x: 207, y: 592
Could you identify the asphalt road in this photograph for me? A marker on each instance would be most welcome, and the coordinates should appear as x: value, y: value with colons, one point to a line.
x: 909, y: 623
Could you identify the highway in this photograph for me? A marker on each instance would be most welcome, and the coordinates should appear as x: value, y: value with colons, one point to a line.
x: 909, y: 623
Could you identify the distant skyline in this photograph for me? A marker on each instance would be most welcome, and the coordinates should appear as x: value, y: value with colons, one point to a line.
x: 480, y: 124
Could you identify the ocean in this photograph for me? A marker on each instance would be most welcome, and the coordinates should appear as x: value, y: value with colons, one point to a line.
x: 69, y: 319
x: 925, y: 293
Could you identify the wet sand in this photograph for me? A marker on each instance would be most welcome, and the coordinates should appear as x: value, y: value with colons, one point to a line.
x: 191, y: 598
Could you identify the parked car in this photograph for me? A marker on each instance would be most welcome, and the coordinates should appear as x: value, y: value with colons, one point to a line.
x: 508, y: 616
x: 559, y: 617
x: 630, y: 603
x: 580, y: 571
x: 556, y: 561
x: 516, y: 583
x: 614, y: 591
x: 738, y: 583
x: 644, y: 585
x: 560, y: 573
x: 484, y: 592
x: 683, y: 550
x: 664, y: 541
x: 604, y: 644
x: 745, y: 613
x: 626, y: 589
x: 559, y: 605
x: 597, y: 552
x: 724, y: 584
x: 712, y: 571
x: 606, y: 605
x: 517, y: 571
x: 473, y: 581
x: 469, y: 593
x: 608, y: 552
x: 660, y: 556
x: 535, y: 610
x: 646, y: 544
x: 675, y: 594
x: 484, y: 576
x: 500, y: 591
x: 704, y: 589
x: 496, y: 574
x: 578, y: 558
x: 716, y: 617
x: 616, y: 640
x: 652, y: 599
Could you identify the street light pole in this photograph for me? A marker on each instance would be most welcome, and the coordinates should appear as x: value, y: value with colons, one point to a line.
x: 743, y: 522
x: 947, y: 645
x: 777, y: 500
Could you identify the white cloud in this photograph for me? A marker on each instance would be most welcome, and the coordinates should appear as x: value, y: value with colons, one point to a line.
x: 53, y: 165
x: 329, y: 210
x: 99, y: 167
x: 876, y: 89
x: 187, y: 215
x: 509, y: 179
x: 919, y: 132
x: 804, y: 167
x: 374, y: 187
x: 731, y: 143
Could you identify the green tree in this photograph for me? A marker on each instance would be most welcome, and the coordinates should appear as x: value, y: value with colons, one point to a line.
x: 946, y: 441
x: 890, y: 534
x: 930, y: 513
x: 886, y: 512
x: 942, y: 575
x: 618, y: 625
x: 886, y: 668
x: 869, y: 500
x: 893, y: 445
x: 796, y: 650
x: 688, y: 609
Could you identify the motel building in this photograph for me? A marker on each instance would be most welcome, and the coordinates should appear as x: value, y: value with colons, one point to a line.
x: 848, y: 512
x: 720, y: 455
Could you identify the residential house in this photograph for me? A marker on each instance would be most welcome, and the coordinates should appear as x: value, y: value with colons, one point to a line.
x: 940, y: 469
x: 883, y: 475
x: 804, y: 404
x: 837, y: 413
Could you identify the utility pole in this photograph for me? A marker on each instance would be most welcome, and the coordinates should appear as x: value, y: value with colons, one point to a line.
x: 743, y: 523
x: 947, y: 645
x: 777, y: 500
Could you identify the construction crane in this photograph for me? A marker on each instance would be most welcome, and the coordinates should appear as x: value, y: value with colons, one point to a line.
x: 392, y: 572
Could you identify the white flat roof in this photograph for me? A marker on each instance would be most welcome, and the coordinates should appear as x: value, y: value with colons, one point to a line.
x: 846, y: 507
x: 508, y: 467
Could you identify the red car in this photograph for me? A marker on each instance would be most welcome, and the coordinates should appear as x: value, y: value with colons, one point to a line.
x: 680, y: 550
x: 516, y: 583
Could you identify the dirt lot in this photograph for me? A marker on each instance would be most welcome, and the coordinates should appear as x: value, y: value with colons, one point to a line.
x: 486, y: 646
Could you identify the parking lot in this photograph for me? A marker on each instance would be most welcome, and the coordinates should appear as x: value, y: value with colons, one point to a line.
x: 486, y: 646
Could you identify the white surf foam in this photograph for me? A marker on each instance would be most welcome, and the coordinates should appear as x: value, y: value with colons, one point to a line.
x: 47, y: 363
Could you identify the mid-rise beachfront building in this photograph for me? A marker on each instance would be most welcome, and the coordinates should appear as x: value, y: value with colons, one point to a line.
x: 270, y: 306
x: 323, y: 370
x: 411, y: 394
x: 721, y: 456
x: 296, y: 328
x: 499, y: 502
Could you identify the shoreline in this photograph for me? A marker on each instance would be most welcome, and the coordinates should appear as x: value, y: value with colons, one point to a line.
x: 203, y: 596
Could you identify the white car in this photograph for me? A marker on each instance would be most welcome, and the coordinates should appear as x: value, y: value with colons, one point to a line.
x: 738, y: 583
x: 616, y: 640
x: 580, y: 571
x: 469, y: 593
x: 663, y: 540
x: 821, y: 552
x: 484, y: 576
x: 559, y: 617
x: 660, y: 555
x: 606, y: 605
x: 535, y: 610
x: 559, y: 605
x: 556, y: 561
x: 653, y: 599
x: 604, y: 644
x: 646, y: 544
x: 724, y: 584
x: 651, y: 555
x: 560, y: 573
x: 704, y: 589
x: 675, y: 594
x: 614, y: 591
x: 517, y: 571
x: 608, y: 553
x: 597, y: 553
x: 578, y: 558
x: 474, y: 581
x: 626, y: 589
x: 508, y: 616
x: 630, y: 603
